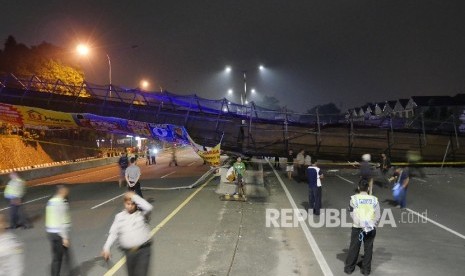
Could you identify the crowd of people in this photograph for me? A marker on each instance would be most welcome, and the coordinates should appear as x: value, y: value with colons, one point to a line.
x: 130, y: 227
x: 132, y: 232
x: 364, y: 207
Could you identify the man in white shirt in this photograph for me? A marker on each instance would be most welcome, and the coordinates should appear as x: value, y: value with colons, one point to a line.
x: 132, y: 176
x: 11, y: 253
x: 132, y: 231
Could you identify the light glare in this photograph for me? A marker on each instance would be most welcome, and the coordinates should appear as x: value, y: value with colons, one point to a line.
x: 82, y: 49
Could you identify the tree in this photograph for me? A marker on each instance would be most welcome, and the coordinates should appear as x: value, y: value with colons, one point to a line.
x: 325, y: 109
x: 49, y: 63
x: 269, y: 102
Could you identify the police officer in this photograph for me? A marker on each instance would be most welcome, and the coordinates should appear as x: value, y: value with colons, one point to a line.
x: 14, y: 192
x: 365, y: 212
x: 58, y: 224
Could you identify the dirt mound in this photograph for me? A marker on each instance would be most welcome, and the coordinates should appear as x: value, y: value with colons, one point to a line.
x: 16, y: 152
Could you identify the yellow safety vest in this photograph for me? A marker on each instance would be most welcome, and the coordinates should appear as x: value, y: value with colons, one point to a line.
x: 364, y: 208
x: 14, y: 189
x: 54, y: 222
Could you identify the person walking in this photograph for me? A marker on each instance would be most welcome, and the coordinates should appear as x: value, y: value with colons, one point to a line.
x: 385, y: 166
x: 307, y: 163
x: 290, y: 164
x: 123, y: 163
x: 11, y: 252
x: 148, y: 160
x: 402, y: 178
x: 365, y: 212
x: 58, y: 225
x: 132, y: 176
x: 366, y: 171
x: 14, y: 192
x: 300, y: 160
x: 314, y: 176
x: 413, y: 160
x: 173, y: 157
x: 153, y: 156
x: 130, y: 228
x: 276, y: 162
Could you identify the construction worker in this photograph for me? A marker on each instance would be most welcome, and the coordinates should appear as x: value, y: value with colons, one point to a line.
x: 132, y: 231
x: 365, y: 212
x: 14, y: 192
x: 58, y: 224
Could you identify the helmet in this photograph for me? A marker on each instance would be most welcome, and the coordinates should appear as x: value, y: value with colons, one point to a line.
x: 366, y: 157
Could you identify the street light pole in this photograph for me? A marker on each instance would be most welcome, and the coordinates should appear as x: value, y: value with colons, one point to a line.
x: 109, y: 72
x: 245, y: 88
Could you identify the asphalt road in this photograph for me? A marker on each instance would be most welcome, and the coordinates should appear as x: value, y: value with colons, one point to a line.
x: 197, y: 234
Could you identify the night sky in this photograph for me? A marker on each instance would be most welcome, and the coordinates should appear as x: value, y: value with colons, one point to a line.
x: 348, y: 52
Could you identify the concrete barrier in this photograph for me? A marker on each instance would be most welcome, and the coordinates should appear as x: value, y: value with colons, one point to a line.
x: 43, y: 171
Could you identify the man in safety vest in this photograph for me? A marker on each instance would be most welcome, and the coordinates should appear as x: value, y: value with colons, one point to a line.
x: 365, y: 212
x: 14, y: 192
x: 58, y: 225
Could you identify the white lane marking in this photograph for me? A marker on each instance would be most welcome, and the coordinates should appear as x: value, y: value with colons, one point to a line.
x: 311, y: 240
x: 203, y: 177
x: 28, y: 201
x: 191, y: 164
x: 167, y: 174
x: 345, y: 179
x: 96, y: 206
x: 437, y: 224
x: 419, y: 179
x: 69, y: 177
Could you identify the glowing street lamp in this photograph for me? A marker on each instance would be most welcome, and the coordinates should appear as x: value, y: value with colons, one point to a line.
x: 244, y: 100
x: 144, y: 84
x: 84, y: 50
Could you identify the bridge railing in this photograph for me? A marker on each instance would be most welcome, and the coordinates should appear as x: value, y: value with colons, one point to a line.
x: 129, y: 98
